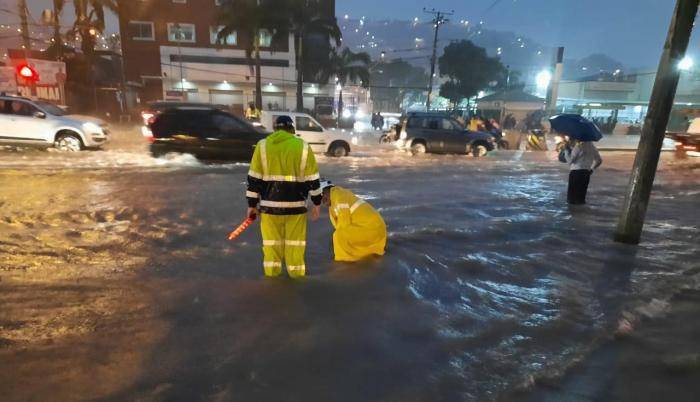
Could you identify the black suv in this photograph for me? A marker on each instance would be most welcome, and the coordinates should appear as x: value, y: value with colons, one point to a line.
x: 206, y: 133
x: 439, y: 133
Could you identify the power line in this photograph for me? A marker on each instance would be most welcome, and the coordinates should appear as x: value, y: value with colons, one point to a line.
x: 439, y: 19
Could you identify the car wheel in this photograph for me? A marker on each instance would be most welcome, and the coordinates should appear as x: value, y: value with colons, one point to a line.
x: 68, y: 143
x: 479, y: 150
x: 418, y: 148
x: 338, y: 150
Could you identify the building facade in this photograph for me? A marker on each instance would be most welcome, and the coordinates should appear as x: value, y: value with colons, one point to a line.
x: 625, y: 97
x: 170, y: 52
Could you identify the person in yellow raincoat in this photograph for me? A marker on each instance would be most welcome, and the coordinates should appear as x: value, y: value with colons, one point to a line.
x: 283, y: 174
x: 360, y: 231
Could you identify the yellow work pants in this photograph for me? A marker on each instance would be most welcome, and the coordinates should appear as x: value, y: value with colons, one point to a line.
x: 284, y: 239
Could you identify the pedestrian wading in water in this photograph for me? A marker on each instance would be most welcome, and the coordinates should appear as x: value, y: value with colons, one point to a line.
x: 583, y: 158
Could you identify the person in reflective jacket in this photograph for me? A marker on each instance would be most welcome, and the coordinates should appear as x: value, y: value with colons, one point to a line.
x: 283, y: 174
x: 360, y: 231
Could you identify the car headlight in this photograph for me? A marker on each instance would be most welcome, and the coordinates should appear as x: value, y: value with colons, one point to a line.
x: 92, y: 128
x: 346, y: 114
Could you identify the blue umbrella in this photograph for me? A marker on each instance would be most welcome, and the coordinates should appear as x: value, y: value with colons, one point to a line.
x: 576, y: 126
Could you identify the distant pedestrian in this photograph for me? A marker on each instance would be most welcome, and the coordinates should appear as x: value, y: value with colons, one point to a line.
x: 584, y: 159
x: 380, y: 121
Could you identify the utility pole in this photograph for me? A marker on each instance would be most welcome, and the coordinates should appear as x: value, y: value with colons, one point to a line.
x: 24, y: 23
x: 629, y: 227
x: 438, y: 19
x: 553, y: 90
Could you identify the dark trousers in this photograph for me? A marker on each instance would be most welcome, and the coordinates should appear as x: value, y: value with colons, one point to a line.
x: 578, y: 186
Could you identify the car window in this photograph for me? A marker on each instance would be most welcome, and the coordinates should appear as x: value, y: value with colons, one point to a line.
x: 19, y: 108
x: 416, y: 122
x: 195, y: 123
x: 434, y: 124
x: 305, y: 123
x: 227, y: 126
x: 50, y: 108
x: 449, y: 124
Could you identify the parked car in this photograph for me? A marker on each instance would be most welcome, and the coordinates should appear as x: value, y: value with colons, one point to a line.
x: 439, y: 133
x: 332, y: 142
x: 27, y: 122
x: 688, y: 143
x: 205, y: 132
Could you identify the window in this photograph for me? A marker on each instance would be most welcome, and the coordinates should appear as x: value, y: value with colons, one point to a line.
x: 307, y: 124
x: 416, y: 122
x: 227, y: 125
x: 434, y: 124
x: 265, y: 38
x: 181, y: 33
x: 448, y: 124
x: 19, y: 108
x: 230, y: 40
x: 141, y: 30
x: 50, y: 108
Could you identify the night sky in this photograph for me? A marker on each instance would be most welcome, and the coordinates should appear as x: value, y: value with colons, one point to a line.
x: 632, y: 31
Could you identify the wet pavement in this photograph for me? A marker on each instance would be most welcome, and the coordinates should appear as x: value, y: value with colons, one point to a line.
x: 117, y: 282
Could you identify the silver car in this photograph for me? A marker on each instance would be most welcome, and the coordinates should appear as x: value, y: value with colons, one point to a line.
x: 28, y: 122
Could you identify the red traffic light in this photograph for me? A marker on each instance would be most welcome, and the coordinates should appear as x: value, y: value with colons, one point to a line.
x: 28, y: 73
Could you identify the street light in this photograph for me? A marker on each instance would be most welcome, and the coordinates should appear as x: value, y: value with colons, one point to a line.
x: 543, y: 79
x: 686, y: 63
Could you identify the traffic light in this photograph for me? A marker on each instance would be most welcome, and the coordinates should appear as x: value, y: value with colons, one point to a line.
x: 27, y: 73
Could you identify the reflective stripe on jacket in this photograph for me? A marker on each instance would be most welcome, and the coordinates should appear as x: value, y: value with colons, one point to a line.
x: 283, y: 173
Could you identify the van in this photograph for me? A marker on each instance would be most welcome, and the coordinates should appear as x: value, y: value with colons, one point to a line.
x: 332, y: 142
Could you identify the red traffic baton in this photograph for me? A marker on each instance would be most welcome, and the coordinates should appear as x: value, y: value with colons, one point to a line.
x: 239, y: 230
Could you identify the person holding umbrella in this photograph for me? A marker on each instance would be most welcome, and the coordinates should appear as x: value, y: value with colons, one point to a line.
x: 580, y: 153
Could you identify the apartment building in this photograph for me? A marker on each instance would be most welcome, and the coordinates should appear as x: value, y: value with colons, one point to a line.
x: 170, y: 52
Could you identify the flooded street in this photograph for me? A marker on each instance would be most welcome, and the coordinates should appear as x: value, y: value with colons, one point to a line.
x: 117, y: 281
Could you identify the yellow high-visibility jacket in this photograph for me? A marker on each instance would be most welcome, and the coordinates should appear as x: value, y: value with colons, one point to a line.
x: 283, y: 174
x: 359, y: 229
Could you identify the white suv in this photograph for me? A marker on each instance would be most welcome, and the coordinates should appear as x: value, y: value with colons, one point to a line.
x: 29, y: 122
x: 331, y: 142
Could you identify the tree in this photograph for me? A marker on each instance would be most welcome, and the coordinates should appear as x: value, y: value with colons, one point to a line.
x: 468, y: 69
x: 249, y: 19
x: 305, y: 19
x: 393, y: 81
x: 347, y: 67
x: 58, y: 6
x: 90, y: 21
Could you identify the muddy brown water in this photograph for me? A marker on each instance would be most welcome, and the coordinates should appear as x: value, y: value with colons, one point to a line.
x: 117, y: 282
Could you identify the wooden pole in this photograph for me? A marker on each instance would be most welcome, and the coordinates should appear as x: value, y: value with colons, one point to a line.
x: 24, y: 24
x: 629, y: 227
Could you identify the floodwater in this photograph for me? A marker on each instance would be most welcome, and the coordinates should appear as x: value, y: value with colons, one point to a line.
x: 117, y: 282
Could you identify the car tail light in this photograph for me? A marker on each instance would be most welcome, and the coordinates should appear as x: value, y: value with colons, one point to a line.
x: 147, y: 116
x: 146, y: 131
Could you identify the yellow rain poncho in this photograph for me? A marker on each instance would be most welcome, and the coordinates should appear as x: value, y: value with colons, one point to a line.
x: 359, y: 229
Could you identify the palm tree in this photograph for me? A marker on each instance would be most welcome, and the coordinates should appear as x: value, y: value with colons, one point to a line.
x: 90, y: 21
x: 305, y: 19
x: 249, y: 19
x: 57, y: 40
x: 347, y: 67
